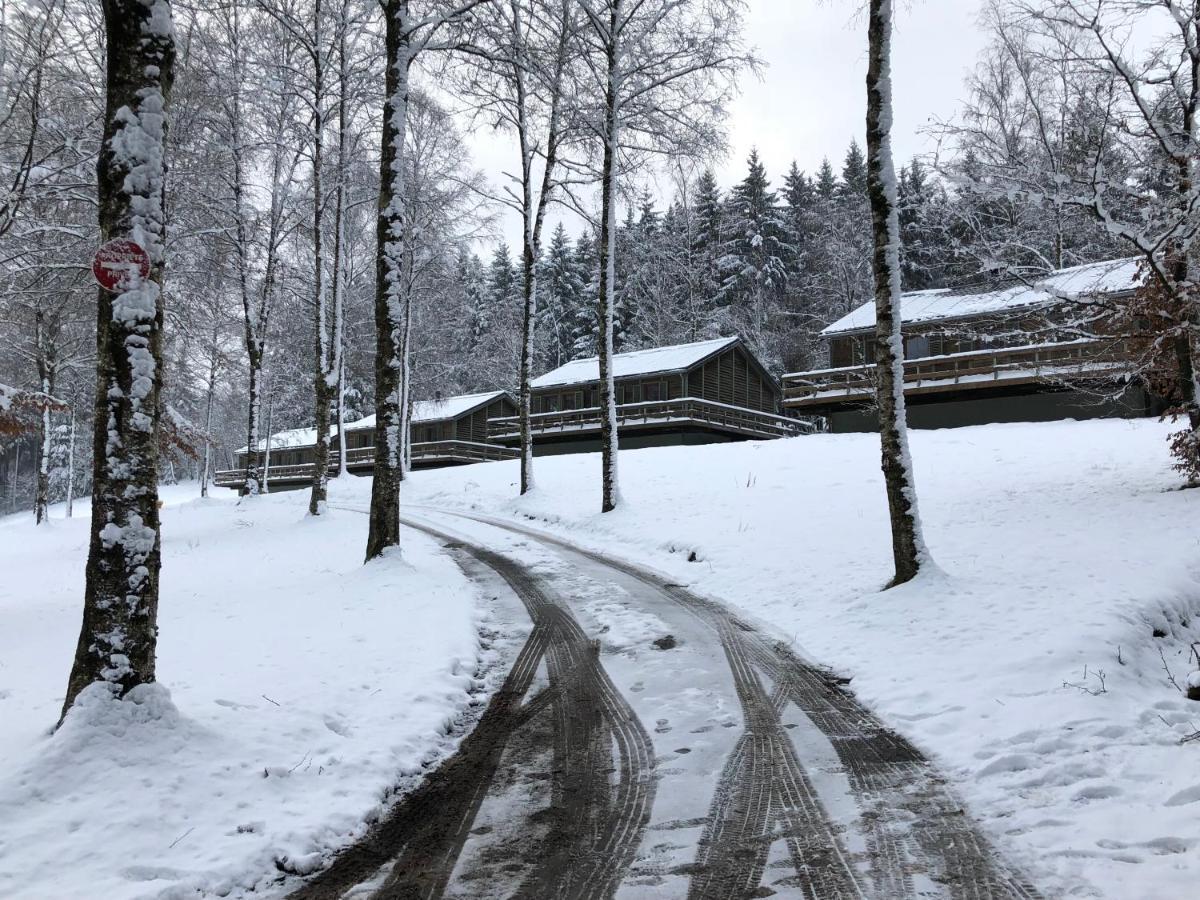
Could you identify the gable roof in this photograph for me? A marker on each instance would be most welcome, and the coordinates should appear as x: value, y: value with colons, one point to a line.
x: 1109, y: 277
x: 286, y: 440
x: 437, y: 410
x: 676, y: 358
x: 423, y: 411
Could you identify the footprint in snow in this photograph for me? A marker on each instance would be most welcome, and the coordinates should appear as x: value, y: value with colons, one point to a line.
x: 1184, y: 797
x: 1014, y: 762
x: 1097, y: 792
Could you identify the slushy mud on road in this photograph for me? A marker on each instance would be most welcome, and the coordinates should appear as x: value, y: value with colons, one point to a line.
x: 713, y: 766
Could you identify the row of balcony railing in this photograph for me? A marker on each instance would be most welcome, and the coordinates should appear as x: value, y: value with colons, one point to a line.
x: 1050, y: 362
x: 685, y: 410
x: 364, y: 457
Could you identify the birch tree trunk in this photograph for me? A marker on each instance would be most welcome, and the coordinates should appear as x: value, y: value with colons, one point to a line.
x: 525, y: 374
x: 384, y: 530
x: 255, y: 314
x: 610, y: 488
x: 908, y: 546
x: 47, y: 369
x: 41, y: 501
x: 326, y: 325
x: 339, y: 243
x: 119, y: 633
x: 211, y: 390
x: 266, y: 466
x: 71, y: 467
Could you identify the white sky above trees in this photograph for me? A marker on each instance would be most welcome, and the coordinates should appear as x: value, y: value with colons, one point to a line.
x: 811, y: 97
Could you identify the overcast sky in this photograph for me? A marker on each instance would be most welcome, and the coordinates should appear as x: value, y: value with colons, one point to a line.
x: 811, y: 98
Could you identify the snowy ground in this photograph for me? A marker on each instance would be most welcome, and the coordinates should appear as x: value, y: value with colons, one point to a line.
x: 1065, y: 553
x: 302, y: 686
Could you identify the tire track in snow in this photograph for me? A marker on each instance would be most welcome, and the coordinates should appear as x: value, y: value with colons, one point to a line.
x: 915, y: 827
x: 414, y: 851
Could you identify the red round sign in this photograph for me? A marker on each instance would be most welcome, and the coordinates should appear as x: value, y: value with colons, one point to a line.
x: 116, y: 261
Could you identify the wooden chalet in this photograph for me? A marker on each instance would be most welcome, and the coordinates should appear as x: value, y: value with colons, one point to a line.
x: 448, y: 432
x: 983, y: 353
x: 698, y: 393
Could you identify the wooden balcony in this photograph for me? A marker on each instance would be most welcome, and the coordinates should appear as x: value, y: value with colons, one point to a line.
x: 978, y: 370
x: 459, y: 452
x: 361, y: 460
x: 657, y: 414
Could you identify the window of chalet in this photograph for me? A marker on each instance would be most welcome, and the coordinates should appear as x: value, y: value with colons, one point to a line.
x: 630, y: 393
x: 654, y: 391
x: 916, y: 346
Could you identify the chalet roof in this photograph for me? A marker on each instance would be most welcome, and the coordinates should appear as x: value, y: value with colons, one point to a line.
x: 423, y: 411
x: 676, y: 358
x: 284, y: 440
x: 1112, y: 276
x: 437, y: 410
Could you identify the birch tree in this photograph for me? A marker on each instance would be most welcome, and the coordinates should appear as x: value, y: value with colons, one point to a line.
x: 411, y: 29
x: 119, y: 634
x: 908, y: 543
x: 661, y: 72
x: 519, y: 79
x: 252, y: 200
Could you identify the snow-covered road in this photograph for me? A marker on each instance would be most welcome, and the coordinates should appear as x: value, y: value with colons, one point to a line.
x: 669, y: 748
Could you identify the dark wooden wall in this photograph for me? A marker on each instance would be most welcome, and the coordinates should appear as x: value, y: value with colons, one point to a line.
x: 629, y: 390
x: 729, y: 377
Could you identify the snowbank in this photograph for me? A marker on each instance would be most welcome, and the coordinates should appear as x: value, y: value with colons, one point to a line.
x: 297, y: 687
x: 1065, y: 553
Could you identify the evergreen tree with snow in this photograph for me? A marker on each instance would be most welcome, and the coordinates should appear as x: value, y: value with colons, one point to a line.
x: 926, y: 251
x: 562, y: 300
x: 758, y: 251
x: 501, y: 278
x: 854, y: 172
x: 708, y: 243
x: 585, y: 329
x: 825, y: 182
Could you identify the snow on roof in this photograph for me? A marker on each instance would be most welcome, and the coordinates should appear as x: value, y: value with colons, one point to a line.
x: 283, y: 440
x: 436, y: 410
x: 1107, y: 277
x: 423, y: 411
x: 637, y: 362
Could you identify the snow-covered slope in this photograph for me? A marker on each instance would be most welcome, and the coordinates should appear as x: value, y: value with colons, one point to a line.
x: 301, y: 684
x: 1064, y: 551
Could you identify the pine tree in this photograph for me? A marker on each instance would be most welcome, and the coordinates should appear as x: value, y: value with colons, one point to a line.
x: 562, y: 300
x: 473, y: 285
x: 854, y: 172
x: 501, y: 278
x: 758, y: 252
x: 826, y: 182
x: 926, y: 255
x: 585, y: 331
x: 707, y: 247
x: 800, y: 197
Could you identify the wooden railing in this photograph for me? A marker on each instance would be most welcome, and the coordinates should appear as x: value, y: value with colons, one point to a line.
x: 749, y: 422
x: 459, y: 451
x: 979, y: 368
x: 364, y: 457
